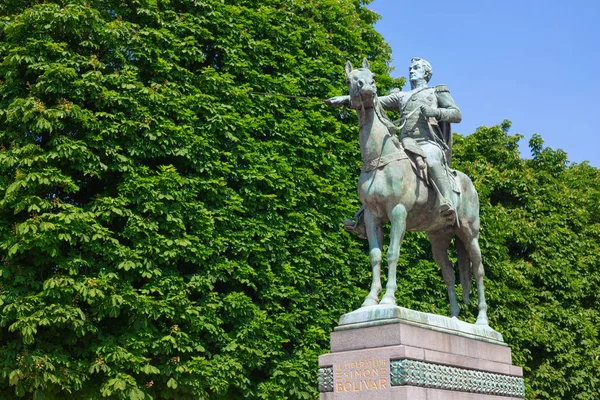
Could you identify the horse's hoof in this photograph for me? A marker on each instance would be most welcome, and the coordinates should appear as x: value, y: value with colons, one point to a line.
x: 482, y: 321
x: 388, y: 300
x: 370, y: 301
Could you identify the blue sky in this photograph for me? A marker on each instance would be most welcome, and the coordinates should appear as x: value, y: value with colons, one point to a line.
x: 535, y: 63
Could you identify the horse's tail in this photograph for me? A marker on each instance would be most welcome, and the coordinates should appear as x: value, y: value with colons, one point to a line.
x: 464, y: 269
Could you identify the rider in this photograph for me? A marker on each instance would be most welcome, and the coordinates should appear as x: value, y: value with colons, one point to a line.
x: 426, y: 113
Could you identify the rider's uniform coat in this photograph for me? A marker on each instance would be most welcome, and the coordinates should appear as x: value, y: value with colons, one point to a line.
x: 415, y: 124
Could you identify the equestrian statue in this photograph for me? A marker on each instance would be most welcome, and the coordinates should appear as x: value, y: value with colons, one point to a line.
x: 406, y: 179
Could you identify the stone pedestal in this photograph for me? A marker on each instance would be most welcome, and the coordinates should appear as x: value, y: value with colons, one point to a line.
x: 385, y: 352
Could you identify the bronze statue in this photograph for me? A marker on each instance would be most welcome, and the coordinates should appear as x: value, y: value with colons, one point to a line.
x: 394, y: 185
x: 426, y: 114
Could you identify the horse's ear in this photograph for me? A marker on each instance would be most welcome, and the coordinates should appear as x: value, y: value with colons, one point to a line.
x: 366, y: 63
x: 348, y: 68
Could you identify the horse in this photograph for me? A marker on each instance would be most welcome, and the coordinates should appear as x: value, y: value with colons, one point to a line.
x: 391, y: 191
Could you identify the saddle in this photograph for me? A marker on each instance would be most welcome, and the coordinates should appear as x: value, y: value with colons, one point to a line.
x: 416, y: 156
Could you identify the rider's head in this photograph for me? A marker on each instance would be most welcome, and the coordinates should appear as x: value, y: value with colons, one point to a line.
x: 419, y: 68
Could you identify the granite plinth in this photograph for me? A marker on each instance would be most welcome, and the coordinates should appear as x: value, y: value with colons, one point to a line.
x: 373, y: 357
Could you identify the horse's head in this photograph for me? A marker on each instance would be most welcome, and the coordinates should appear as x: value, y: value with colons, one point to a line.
x: 361, y: 86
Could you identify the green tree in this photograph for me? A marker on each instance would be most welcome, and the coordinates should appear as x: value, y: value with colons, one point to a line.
x: 540, y: 241
x: 541, y: 245
x: 165, y: 231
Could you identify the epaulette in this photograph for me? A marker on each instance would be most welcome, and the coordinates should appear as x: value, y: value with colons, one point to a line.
x: 442, y: 89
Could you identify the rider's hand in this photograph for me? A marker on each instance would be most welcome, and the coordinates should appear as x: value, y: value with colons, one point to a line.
x: 430, y: 111
x: 337, y: 101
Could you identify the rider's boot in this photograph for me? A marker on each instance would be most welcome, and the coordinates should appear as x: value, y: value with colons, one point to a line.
x: 357, y: 225
x: 438, y: 174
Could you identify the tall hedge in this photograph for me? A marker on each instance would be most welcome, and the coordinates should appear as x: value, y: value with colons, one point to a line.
x: 167, y: 231
x: 170, y: 223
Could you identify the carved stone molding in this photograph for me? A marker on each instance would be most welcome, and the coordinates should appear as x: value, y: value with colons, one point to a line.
x: 418, y: 373
x: 325, y: 379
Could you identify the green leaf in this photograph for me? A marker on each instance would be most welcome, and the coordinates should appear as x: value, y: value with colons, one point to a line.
x: 136, y: 394
x: 172, y: 383
x: 150, y: 369
x: 14, y: 377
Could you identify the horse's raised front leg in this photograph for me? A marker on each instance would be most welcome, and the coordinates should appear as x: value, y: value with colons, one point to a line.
x: 375, y: 237
x: 398, y: 220
x: 440, y: 242
x: 475, y: 256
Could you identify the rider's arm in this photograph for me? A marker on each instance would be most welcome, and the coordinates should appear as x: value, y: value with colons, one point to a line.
x: 391, y: 102
x: 338, y: 101
x: 448, y: 110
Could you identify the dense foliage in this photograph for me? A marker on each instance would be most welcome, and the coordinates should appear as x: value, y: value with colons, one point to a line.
x: 540, y: 240
x: 167, y: 230
x: 541, y: 245
x: 163, y: 231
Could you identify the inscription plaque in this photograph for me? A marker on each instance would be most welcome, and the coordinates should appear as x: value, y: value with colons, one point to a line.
x: 358, y: 376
